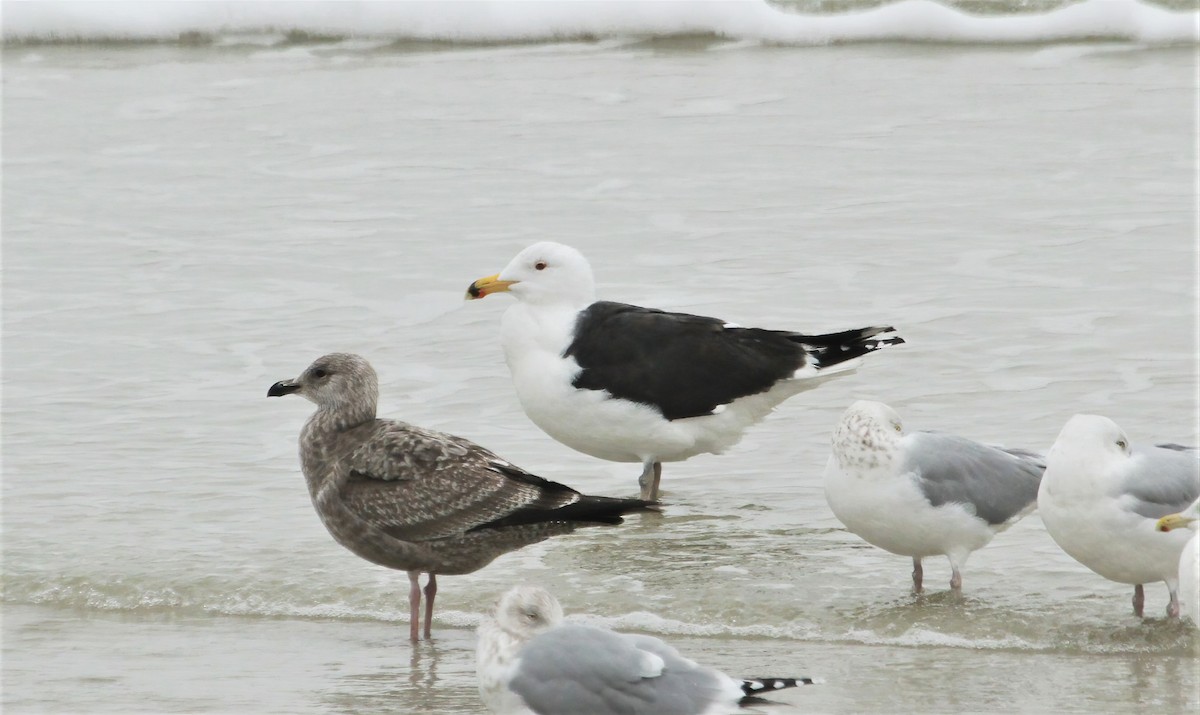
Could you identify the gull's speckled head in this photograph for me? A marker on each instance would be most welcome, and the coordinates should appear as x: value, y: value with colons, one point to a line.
x: 333, y: 381
x: 866, y: 433
x: 545, y: 272
x: 527, y: 610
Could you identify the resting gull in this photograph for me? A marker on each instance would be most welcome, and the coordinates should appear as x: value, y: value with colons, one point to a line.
x: 925, y: 493
x: 631, y: 384
x: 530, y: 662
x: 1102, y: 497
x: 417, y: 500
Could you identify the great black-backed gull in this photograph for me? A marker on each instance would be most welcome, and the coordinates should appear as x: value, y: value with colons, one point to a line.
x: 1189, y: 560
x: 631, y: 384
x: 1102, y: 497
x: 530, y: 662
x: 418, y: 500
x: 925, y: 493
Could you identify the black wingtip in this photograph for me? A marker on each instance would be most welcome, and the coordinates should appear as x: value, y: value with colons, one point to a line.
x: 606, y: 510
x: 755, y: 688
x: 833, y: 348
x: 869, y: 336
x: 1175, y: 447
x: 588, y: 511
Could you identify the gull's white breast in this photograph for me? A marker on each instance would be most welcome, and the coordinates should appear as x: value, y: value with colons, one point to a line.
x: 888, y: 510
x: 1085, y: 513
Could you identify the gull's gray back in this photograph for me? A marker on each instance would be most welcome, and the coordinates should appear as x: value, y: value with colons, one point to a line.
x: 581, y: 670
x: 1000, y: 484
x: 1163, y: 479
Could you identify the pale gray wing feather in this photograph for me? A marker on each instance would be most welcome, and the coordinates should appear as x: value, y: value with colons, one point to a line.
x: 999, y: 484
x: 581, y: 670
x: 416, y: 484
x: 1162, y: 480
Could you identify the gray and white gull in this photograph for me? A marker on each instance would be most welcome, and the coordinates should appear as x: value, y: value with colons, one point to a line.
x: 630, y: 384
x: 922, y: 494
x: 1102, y: 498
x: 417, y: 500
x: 531, y: 662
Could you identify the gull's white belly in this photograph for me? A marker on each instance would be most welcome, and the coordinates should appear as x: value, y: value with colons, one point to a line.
x: 1189, y: 580
x: 889, y: 511
x: 1119, y: 545
x: 590, y: 421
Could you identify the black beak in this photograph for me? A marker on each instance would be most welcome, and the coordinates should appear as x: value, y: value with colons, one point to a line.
x: 283, y: 387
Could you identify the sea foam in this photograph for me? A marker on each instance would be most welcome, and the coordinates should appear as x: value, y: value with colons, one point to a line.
x: 517, y: 21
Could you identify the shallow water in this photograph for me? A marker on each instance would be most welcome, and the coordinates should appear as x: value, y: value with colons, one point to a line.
x: 185, y: 225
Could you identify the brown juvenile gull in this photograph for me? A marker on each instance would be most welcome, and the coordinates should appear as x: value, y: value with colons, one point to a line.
x: 417, y: 500
x: 631, y: 384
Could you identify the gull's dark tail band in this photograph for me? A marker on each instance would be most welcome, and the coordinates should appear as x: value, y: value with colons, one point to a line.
x: 755, y: 688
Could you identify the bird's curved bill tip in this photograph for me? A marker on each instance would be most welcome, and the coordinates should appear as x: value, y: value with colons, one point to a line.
x: 283, y: 387
x: 1173, y: 521
x: 486, y: 286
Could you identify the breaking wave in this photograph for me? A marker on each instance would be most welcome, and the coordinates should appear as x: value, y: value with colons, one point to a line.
x: 504, y: 21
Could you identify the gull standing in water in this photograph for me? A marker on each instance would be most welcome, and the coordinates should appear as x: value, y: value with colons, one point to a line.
x: 631, y: 384
x: 417, y: 500
x: 922, y: 494
x: 1102, y: 498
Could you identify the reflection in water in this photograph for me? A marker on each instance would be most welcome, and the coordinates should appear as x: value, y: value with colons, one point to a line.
x: 1163, y: 684
x: 439, y: 675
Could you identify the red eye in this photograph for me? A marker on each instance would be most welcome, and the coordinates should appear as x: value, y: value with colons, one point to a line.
x: 540, y: 265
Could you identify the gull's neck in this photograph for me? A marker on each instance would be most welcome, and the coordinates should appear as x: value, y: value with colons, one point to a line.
x: 1083, y: 472
x: 342, y: 416
x: 546, y: 327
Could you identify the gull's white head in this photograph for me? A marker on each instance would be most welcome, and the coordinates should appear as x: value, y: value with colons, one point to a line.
x: 524, y: 611
x: 1088, y: 446
x: 867, y: 435
x: 544, y: 273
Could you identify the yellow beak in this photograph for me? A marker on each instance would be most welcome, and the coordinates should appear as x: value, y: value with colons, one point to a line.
x: 1173, y: 521
x: 486, y: 286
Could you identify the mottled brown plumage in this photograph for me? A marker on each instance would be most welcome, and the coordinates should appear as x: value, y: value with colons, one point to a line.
x: 418, y: 500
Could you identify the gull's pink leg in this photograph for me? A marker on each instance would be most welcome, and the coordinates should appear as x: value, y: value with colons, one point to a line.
x: 414, y: 605
x: 918, y: 575
x: 430, y: 592
x: 1139, y: 600
x: 955, y: 580
x: 1173, y: 606
x: 651, y: 474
